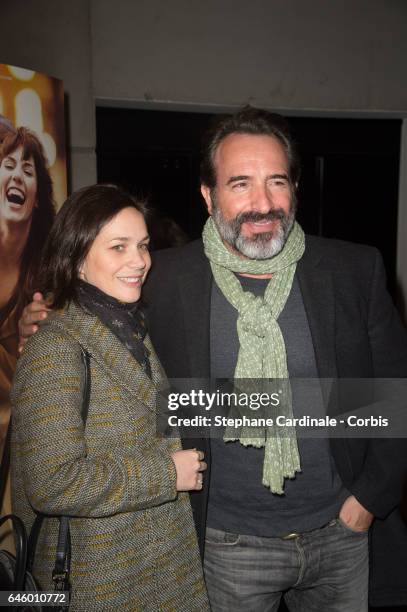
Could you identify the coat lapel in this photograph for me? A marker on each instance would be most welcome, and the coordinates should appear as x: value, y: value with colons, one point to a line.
x: 110, y: 353
x: 318, y: 294
x: 195, y: 299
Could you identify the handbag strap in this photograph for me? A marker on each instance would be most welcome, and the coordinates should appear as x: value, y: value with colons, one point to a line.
x: 61, y: 571
x: 21, y: 549
x: 5, y: 463
x: 62, y: 567
x: 19, y: 529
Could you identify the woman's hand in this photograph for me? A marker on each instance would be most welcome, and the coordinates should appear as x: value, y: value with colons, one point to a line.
x: 33, y: 313
x: 189, y: 465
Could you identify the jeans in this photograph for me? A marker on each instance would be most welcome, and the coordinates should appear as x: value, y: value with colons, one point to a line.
x: 324, y: 570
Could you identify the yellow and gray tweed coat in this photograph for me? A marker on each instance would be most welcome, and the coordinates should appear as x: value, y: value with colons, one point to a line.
x: 133, y: 540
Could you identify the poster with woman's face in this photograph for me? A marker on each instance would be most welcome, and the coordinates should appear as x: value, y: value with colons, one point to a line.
x: 33, y: 185
x: 36, y: 101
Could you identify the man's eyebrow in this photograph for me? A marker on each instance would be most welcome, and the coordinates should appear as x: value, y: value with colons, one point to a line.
x: 233, y: 179
x: 244, y: 177
x: 279, y: 176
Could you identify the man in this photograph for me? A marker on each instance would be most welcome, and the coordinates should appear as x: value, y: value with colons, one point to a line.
x: 261, y: 300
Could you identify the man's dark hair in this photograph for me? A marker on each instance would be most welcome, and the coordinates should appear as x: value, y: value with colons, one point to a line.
x: 76, y: 226
x: 253, y: 121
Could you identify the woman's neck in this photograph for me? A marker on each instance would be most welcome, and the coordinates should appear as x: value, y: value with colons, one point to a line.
x: 13, y: 238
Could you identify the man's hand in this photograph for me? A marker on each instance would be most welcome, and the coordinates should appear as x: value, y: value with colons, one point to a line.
x: 35, y: 312
x: 354, y: 515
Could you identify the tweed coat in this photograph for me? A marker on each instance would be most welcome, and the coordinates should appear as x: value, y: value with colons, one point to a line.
x: 133, y: 541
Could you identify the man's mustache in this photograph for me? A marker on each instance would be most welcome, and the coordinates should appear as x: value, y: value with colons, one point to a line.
x: 255, y: 217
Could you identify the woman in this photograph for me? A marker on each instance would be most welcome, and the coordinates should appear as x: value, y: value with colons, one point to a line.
x: 26, y: 216
x: 133, y: 540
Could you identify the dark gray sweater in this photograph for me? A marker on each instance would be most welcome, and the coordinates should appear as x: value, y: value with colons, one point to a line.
x: 238, y: 502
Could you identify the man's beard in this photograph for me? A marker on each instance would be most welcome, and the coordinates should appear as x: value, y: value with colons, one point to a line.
x: 262, y: 245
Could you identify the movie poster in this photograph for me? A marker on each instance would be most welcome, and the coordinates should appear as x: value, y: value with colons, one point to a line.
x: 33, y: 185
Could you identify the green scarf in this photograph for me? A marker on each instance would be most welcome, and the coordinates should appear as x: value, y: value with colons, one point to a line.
x: 262, y: 352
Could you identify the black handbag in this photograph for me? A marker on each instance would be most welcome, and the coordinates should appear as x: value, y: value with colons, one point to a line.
x: 14, y: 574
x: 16, y: 571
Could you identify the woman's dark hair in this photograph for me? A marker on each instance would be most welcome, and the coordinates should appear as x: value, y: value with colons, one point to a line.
x: 42, y: 217
x: 76, y: 226
x: 248, y: 120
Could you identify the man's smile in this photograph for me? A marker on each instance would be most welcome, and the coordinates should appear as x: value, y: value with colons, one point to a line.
x: 255, y: 227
